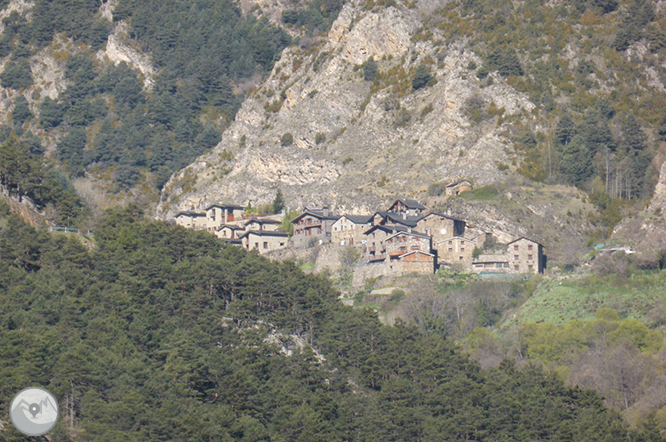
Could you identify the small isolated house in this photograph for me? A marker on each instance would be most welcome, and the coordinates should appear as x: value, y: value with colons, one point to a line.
x: 191, y: 220
x: 458, y: 187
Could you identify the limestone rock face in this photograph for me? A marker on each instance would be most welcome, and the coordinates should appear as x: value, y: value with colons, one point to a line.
x: 119, y: 48
x: 355, y: 145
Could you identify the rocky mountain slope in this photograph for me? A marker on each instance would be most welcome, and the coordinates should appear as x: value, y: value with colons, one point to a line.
x: 320, y: 132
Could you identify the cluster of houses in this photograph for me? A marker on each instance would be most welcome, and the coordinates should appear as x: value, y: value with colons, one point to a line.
x: 406, y: 238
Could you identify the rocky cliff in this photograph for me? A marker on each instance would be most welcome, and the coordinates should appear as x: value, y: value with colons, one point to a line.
x: 317, y: 130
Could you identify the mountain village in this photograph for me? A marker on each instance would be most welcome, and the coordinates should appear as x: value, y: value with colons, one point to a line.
x: 407, y: 238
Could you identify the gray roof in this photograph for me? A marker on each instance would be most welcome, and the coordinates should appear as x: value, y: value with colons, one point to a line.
x: 262, y: 221
x: 226, y: 206
x: 230, y: 226
x: 189, y: 213
x: 358, y: 219
x: 317, y: 214
x: 410, y: 204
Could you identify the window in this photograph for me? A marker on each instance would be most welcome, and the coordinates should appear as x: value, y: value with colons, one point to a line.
x: 529, y: 256
x: 403, y: 248
x: 450, y: 250
x: 515, y: 248
x: 529, y: 247
x: 462, y: 243
x: 462, y: 250
x: 515, y: 257
x: 516, y: 268
x: 256, y: 245
x: 281, y: 244
x: 530, y: 267
x: 265, y: 244
x: 461, y: 258
x: 450, y: 243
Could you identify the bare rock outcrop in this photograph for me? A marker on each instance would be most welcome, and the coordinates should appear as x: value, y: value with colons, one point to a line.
x: 322, y: 134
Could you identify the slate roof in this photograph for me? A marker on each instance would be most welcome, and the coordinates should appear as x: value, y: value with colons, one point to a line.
x: 358, y: 219
x: 317, y: 214
x: 262, y: 221
x: 273, y: 233
x: 226, y: 206
x: 411, y: 204
x: 189, y: 213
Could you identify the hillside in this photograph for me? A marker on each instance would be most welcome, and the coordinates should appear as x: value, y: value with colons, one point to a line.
x: 158, y: 332
x: 396, y: 97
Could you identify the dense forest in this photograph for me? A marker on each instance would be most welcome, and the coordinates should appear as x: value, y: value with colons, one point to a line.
x: 154, y: 332
x: 203, y: 49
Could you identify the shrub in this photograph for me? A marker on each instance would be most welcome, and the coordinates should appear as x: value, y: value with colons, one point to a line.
x: 370, y: 69
x: 287, y: 139
x: 436, y: 189
x: 320, y: 138
x: 421, y: 77
x: 17, y: 74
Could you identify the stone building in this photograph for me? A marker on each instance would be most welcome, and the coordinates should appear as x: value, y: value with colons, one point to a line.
x: 348, y: 229
x: 312, y: 225
x: 455, y: 250
x: 219, y: 214
x: 409, y: 207
x: 417, y: 261
x: 375, y: 238
x: 264, y: 241
x: 400, y: 243
x: 526, y: 256
x: 458, y: 187
x: 440, y: 226
x: 229, y: 231
x: 191, y: 220
x: 266, y: 224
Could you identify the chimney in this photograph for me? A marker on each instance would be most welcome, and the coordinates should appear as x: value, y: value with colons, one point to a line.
x: 404, y: 215
x: 324, y: 210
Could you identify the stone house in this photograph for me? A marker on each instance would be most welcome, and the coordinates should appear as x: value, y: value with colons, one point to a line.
x: 400, y: 243
x: 455, y: 250
x: 394, y: 218
x: 264, y: 241
x: 440, y: 226
x: 191, y: 220
x: 266, y: 224
x: 312, y: 225
x: 229, y: 231
x: 458, y: 187
x: 219, y: 214
x: 409, y: 207
x: 526, y: 256
x: 349, y: 229
x: 375, y: 238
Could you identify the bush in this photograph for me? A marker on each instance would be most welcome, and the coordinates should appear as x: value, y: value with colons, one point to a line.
x: 21, y: 111
x: 370, y: 69
x: 421, y: 77
x: 320, y: 138
x: 436, y: 189
x: 287, y: 139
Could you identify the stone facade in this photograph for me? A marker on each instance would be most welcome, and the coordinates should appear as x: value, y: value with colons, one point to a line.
x: 440, y: 226
x: 349, y: 230
x: 191, y: 220
x: 491, y: 264
x: 455, y: 250
x: 312, y: 225
x: 264, y: 241
x: 458, y: 187
x: 269, y: 225
x: 229, y: 231
x: 525, y: 256
x: 401, y: 243
x: 220, y: 214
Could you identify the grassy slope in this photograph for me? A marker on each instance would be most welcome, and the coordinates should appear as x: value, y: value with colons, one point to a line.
x: 642, y: 296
